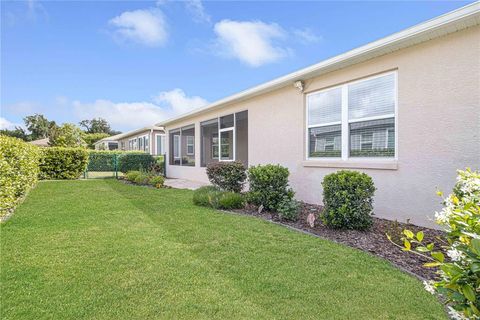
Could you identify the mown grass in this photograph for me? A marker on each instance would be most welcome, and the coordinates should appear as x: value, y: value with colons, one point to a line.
x: 101, y: 249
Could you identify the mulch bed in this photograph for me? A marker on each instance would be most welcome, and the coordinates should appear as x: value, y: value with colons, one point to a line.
x: 373, y: 240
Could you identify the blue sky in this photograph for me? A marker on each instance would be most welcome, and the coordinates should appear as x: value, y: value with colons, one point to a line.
x: 138, y: 62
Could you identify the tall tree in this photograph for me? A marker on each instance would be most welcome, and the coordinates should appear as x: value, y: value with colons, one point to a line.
x: 18, y: 132
x: 97, y: 125
x: 91, y: 138
x: 39, y: 126
x: 67, y: 135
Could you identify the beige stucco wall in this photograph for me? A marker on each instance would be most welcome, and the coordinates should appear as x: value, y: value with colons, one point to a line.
x: 141, y: 134
x: 438, y: 127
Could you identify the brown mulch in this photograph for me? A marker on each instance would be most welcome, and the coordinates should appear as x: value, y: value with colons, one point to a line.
x: 373, y: 240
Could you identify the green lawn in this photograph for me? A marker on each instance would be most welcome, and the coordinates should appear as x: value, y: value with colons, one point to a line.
x: 100, y: 249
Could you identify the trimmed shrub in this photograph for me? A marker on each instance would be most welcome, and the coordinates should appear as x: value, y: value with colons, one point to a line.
x: 268, y: 185
x: 288, y: 209
x: 157, y: 181
x: 348, y: 200
x: 18, y: 171
x: 101, y: 160
x: 211, y: 196
x: 135, y: 161
x: 231, y: 200
x: 228, y: 176
x: 142, y: 178
x: 132, y: 175
x: 63, y: 163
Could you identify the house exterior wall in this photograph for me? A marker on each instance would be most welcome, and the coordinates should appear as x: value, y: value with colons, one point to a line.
x: 152, y: 140
x: 438, y: 125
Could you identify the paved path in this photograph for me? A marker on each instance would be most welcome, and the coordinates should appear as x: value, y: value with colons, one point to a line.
x: 184, y: 184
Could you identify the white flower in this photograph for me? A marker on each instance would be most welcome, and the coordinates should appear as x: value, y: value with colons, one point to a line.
x: 442, y: 216
x: 455, y: 315
x: 428, y: 285
x: 455, y: 254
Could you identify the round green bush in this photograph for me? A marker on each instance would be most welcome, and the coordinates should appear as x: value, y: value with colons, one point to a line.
x: 156, y: 181
x: 288, y: 209
x: 228, y: 176
x: 268, y: 185
x: 348, y: 200
x: 132, y: 175
x: 141, y: 178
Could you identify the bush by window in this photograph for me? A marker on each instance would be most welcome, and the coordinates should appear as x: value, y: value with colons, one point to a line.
x: 268, y: 185
x: 348, y: 200
x: 228, y: 176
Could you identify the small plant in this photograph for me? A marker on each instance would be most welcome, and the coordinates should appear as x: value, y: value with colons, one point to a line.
x: 228, y: 176
x: 132, y: 175
x: 157, y: 181
x: 231, y: 200
x: 459, y: 275
x: 142, y: 178
x: 348, y: 200
x: 211, y: 196
x: 268, y: 186
x: 288, y: 209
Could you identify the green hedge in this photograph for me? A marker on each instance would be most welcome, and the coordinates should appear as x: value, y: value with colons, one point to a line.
x: 18, y: 171
x: 63, y: 163
x: 135, y: 161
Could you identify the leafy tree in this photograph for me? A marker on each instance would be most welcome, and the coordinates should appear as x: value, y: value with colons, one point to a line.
x: 18, y: 132
x: 91, y: 138
x: 67, y: 135
x: 97, y: 125
x: 39, y: 126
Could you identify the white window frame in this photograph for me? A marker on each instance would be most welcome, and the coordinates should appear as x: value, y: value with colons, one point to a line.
x: 177, y: 137
x: 158, y: 151
x: 345, y: 122
x: 190, y: 144
x: 233, y: 129
x: 218, y: 148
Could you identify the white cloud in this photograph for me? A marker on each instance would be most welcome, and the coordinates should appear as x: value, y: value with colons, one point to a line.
x: 306, y: 36
x: 147, y: 27
x: 252, y: 42
x: 178, y: 102
x: 6, y: 124
x: 196, y: 9
x: 133, y: 115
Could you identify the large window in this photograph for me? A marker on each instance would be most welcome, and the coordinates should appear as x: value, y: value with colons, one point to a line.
x: 225, y: 139
x: 353, y: 120
x: 159, y: 144
x: 182, y: 146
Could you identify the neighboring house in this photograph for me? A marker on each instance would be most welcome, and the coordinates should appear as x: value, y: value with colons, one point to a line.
x: 108, y: 143
x: 149, y: 139
x: 404, y: 109
x: 40, y: 142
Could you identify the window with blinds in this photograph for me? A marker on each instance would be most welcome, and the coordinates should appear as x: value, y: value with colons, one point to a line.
x: 367, y: 108
x: 324, y: 123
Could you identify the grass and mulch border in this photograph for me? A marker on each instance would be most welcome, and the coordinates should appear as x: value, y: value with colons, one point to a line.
x: 373, y: 241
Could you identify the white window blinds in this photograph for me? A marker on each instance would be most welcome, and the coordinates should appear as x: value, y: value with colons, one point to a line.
x: 325, y: 107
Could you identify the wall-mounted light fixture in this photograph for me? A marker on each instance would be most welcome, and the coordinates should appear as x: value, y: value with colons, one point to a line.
x: 299, y: 85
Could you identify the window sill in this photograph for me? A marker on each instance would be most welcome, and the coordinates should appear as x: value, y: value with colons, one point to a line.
x: 353, y: 164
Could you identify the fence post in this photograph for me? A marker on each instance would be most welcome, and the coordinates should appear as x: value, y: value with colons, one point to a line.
x: 115, y: 163
x: 165, y: 165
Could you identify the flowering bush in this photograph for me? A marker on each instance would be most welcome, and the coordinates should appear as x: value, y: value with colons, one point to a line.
x: 460, y: 274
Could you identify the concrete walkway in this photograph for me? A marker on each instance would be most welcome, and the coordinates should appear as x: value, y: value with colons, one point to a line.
x: 184, y: 184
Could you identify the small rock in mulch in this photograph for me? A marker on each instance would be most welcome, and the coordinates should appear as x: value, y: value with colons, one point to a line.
x: 373, y: 240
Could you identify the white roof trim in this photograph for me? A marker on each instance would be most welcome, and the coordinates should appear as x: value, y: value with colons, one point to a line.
x: 453, y: 21
x: 129, y: 133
